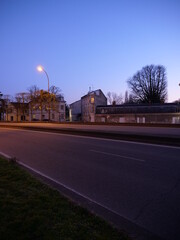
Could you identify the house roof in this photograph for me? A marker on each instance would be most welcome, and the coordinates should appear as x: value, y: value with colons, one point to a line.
x: 138, y: 108
x: 18, y: 104
x: 95, y: 92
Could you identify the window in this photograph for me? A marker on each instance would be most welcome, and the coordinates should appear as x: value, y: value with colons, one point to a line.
x: 10, y: 110
x: 52, y: 115
x: 62, y: 107
x: 92, y: 99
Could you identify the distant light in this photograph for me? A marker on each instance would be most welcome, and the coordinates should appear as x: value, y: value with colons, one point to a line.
x: 40, y: 68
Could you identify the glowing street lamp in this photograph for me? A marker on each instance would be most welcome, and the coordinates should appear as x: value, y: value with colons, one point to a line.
x: 41, y: 69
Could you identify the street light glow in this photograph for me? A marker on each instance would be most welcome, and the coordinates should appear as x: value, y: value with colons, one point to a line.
x: 40, y: 68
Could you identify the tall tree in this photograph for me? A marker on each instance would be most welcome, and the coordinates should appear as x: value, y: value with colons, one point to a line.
x: 6, y: 100
x: 114, y: 98
x: 54, y: 97
x: 128, y: 98
x: 21, y: 104
x: 33, y: 93
x: 149, y: 85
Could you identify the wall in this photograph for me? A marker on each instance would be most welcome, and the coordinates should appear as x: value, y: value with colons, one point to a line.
x: 75, y: 111
x: 89, y: 103
x: 172, y: 118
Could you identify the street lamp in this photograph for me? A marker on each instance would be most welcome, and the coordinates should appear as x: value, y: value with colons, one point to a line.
x: 41, y: 69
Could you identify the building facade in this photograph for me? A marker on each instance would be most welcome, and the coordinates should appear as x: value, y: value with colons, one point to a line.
x: 17, y: 112
x: 75, y: 111
x: 94, y: 108
x: 20, y: 112
x: 142, y: 113
x: 89, y: 102
x: 53, y: 111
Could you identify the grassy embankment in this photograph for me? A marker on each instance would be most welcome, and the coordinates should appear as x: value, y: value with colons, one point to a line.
x: 32, y: 210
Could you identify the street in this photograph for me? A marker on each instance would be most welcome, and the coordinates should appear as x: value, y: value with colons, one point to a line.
x: 140, y: 182
x: 139, y: 130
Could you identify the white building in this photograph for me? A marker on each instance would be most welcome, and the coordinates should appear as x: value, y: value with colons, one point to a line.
x: 53, y: 111
x: 36, y: 111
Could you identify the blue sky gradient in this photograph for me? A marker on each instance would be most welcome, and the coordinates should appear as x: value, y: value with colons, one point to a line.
x: 88, y: 43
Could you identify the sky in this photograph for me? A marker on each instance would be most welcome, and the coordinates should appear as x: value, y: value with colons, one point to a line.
x: 87, y: 43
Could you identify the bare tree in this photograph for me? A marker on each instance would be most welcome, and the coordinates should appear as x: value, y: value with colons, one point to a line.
x: 6, y: 100
x: 114, y: 98
x: 32, y: 96
x: 55, y: 94
x: 1, y: 105
x: 149, y: 85
x: 128, y: 98
x: 21, y: 104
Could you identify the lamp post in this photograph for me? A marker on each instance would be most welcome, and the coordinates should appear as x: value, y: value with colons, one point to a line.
x: 41, y: 69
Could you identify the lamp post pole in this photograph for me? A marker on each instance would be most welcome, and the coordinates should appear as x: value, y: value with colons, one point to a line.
x: 41, y: 69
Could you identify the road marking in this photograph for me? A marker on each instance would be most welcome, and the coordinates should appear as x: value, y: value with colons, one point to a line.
x: 70, y: 189
x: 5, y: 155
x: 96, y: 138
x: 117, y: 155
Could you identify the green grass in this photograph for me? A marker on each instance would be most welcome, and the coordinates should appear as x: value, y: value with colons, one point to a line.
x: 32, y: 210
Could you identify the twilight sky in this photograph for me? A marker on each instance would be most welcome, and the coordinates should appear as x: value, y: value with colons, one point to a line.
x: 87, y: 43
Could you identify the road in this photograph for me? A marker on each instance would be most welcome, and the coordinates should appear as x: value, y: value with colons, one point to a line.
x: 139, y: 130
x: 139, y: 182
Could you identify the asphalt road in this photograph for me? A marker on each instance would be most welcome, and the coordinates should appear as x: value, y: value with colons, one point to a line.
x: 139, y: 182
x: 139, y: 130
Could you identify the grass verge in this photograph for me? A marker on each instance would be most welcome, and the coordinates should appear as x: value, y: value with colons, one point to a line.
x: 31, y: 210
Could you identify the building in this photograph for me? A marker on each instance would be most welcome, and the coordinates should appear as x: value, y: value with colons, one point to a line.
x: 85, y: 109
x: 36, y: 111
x: 89, y: 102
x: 94, y: 108
x: 139, y: 113
x: 48, y: 111
x: 17, y: 112
x: 75, y: 111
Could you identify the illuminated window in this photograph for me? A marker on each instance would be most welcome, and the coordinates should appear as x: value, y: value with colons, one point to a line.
x: 92, y: 99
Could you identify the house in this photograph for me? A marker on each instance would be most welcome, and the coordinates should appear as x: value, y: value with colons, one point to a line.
x: 38, y: 109
x: 89, y: 102
x: 85, y: 108
x: 94, y: 108
x: 75, y: 111
x: 17, y: 112
x: 53, y: 110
